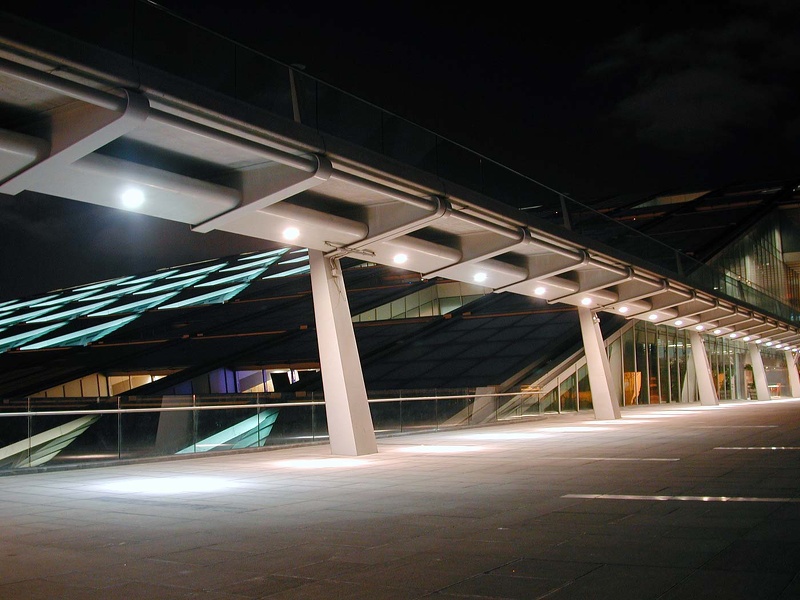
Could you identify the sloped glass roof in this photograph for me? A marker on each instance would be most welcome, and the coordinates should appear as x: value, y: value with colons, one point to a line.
x: 86, y: 309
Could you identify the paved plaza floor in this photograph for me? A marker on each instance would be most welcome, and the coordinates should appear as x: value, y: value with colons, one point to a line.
x: 669, y: 502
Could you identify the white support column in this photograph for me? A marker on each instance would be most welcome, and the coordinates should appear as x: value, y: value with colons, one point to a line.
x: 794, y: 377
x: 349, y: 420
x: 759, y: 374
x: 604, y: 396
x: 702, y: 370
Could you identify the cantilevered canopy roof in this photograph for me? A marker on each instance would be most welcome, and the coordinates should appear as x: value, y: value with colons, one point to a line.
x: 118, y: 131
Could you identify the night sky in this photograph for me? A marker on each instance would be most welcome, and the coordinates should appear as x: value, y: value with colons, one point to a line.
x: 598, y: 100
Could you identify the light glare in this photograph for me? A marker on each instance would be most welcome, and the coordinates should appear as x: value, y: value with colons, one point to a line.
x: 132, y: 198
x: 291, y: 233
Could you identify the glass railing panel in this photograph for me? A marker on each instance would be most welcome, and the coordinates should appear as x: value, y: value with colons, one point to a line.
x: 457, y: 164
x: 305, y: 91
x: 293, y: 425
x: 263, y: 83
x: 224, y: 422
x: 454, y: 412
x: 148, y: 431
x: 14, y: 434
x: 319, y: 421
x: 80, y: 433
x: 420, y: 415
x: 109, y: 26
x: 502, y: 184
x: 349, y: 118
x: 387, y: 417
x: 409, y: 143
x: 210, y: 63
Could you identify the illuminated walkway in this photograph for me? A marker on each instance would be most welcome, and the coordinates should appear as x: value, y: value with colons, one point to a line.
x: 677, y: 501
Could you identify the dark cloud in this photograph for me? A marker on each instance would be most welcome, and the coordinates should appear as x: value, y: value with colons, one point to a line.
x: 700, y: 87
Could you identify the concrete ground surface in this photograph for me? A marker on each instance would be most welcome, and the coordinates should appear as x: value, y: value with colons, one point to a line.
x: 673, y: 501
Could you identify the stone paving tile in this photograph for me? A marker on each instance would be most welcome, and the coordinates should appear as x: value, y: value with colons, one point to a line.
x: 724, y: 585
x: 408, y: 522
x: 758, y: 556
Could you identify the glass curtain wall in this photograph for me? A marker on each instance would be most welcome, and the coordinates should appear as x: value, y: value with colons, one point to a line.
x: 656, y: 359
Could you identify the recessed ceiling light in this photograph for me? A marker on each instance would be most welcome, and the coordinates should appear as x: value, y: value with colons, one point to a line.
x: 399, y: 259
x: 699, y: 328
x: 479, y: 277
x: 746, y: 338
x: 759, y: 341
x: 539, y: 290
x: 291, y: 233
x: 623, y: 309
x: 132, y: 198
x: 652, y: 317
x: 678, y: 322
x: 733, y: 335
x: 586, y: 301
x: 717, y: 331
x: 769, y: 343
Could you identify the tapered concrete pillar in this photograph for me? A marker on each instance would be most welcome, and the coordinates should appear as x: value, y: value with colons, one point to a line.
x: 759, y: 374
x: 794, y: 377
x: 689, y: 387
x: 349, y: 421
x: 605, y: 398
x: 702, y: 370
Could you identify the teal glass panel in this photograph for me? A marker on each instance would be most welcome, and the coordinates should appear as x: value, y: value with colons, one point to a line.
x: 71, y: 313
x: 18, y: 340
x: 82, y: 337
x: 296, y: 271
x: 246, y: 276
x: 178, y: 284
x: 215, y: 297
x: 136, y: 307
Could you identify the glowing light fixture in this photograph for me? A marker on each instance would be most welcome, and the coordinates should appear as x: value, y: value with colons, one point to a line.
x: 539, y: 290
x: 623, y: 309
x: 746, y: 338
x: 733, y: 335
x: 717, y: 331
x: 652, y: 317
x: 759, y: 341
x: 586, y: 301
x: 132, y: 198
x: 769, y: 343
x: 291, y: 233
x: 399, y: 259
x: 479, y: 277
x: 678, y: 323
x: 699, y: 327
